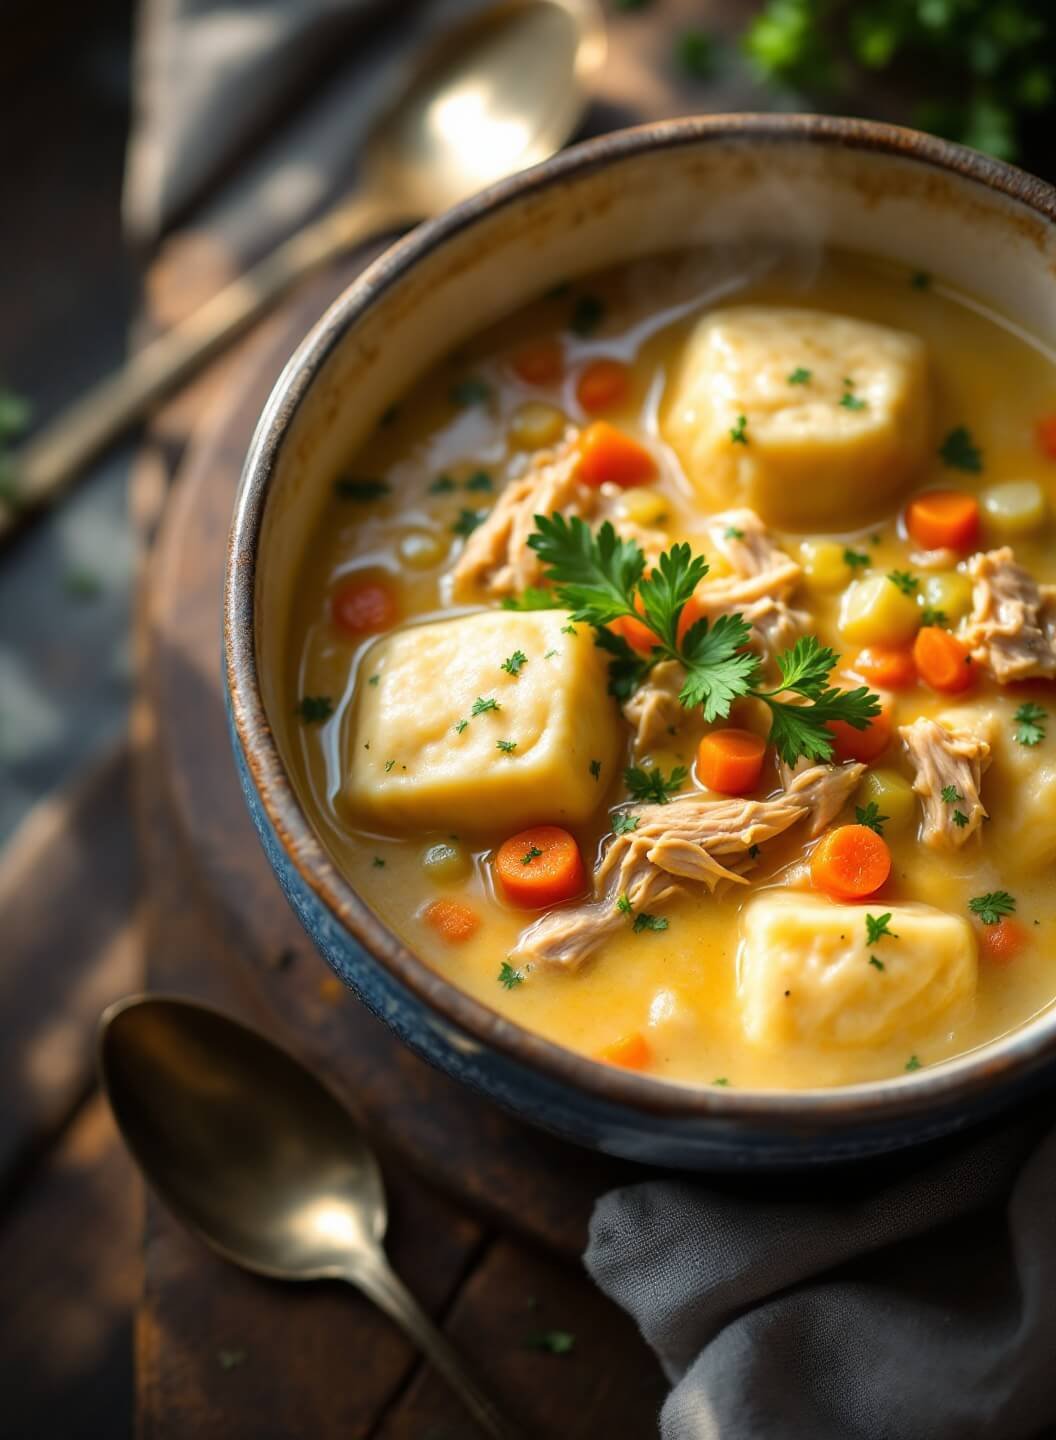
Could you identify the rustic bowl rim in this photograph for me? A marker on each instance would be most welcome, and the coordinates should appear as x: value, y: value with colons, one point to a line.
x: 1010, y: 1058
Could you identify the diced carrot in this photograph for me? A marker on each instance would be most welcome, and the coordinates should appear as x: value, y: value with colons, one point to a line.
x: 1001, y: 943
x: 538, y: 362
x: 731, y: 760
x: 638, y: 635
x: 608, y: 454
x: 942, y: 661
x: 864, y: 745
x: 365, y: 605
x: 631, y: 1052
x: 891, y: 667
x: 944, y: 519
x: 603, y: 385
x: 850, y: 862
x: 1046, y: 436
x: 452, y: 920
x: 539, y: 867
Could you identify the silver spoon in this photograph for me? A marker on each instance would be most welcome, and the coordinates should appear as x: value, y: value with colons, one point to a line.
x: 254, y: 1153
x: 499, y: 92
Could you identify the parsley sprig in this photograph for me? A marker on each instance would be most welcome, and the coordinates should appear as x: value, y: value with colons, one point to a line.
x: 1030, y: 724
x: 993, y: 906
x: 601, y: 578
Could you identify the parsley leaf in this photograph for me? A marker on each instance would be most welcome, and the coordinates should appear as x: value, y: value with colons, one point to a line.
x: 876, y: 964
x: 653, y: 785
x: 532, y: 853
x: 1030, y: 724
x: 920, y: 280
x: 876, y: 927
x: 623, y: 905
x: 442, y: 485
x: 854, y: 558
x: 960, y: 819
x: 513, y: 663
x: 904, y: 581
x: 481, y: 706
x: 509, y: 978
x: 870, y: 816
x: 851, y: 402
x: 960, y: 452
x: 929, y: 616
x: 949, y: 794
x: 732, y: 533
x: 596, y: 574
x: 479, y: 480
x: 992, y: 906
x: 665, y: 593
x: 623, y: 823
x: 800, y: 376
x: 314, y: 709
x: 644, y: 921
x: 739, y: 433
x: 533, y: 597
x: 467, y: 522
x: 719, y: 669
x: 361, y: 490
x: 460, y: 726
x: 912, y: 1063
x: 595, y: 769
x: 506, y: 746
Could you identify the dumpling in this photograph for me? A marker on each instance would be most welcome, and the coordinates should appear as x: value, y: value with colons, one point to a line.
x: 805, y: 975
x: 542, y: 744
x: 835, y: 411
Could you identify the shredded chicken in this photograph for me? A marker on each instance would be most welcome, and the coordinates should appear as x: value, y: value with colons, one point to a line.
x: 1012, y: 627
x: 694, y: 838
x: 762, y: 581
x: 824, y: 789
x: 950, y: 759
x: 654, y: 709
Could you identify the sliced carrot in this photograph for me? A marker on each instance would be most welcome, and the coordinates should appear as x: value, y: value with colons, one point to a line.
x: 850, y: 862
x: 731, y: 760
x: 942, y: 661
x: 538, y: 362
x: 606, y: 453
x: 539, y: 867
x: 892, y: 667
x: 1046, y: 436
x: 631, y: 1052
x: 944, y: 519
x: 1001, y: 943
x: 603, y: 385
x: 365, y: 605
x: 452, y: 920
x: 638, y: 635
x: 864, y: 745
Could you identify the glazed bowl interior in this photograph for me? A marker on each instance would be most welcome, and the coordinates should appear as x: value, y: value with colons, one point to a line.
x: 724, y: 186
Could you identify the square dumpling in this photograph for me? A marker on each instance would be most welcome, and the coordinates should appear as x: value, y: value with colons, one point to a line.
x: 488, y: 721
x: 804, y: 416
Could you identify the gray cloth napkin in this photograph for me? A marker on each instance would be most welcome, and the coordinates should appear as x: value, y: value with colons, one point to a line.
x: 921, y: 1306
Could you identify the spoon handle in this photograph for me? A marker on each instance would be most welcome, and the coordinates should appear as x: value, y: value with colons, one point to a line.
x: 48, y: 462
x: 382, y: 1285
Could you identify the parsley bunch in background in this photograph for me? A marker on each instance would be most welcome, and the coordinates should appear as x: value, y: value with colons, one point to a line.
x: 985, y: 69
x: 14, y: 417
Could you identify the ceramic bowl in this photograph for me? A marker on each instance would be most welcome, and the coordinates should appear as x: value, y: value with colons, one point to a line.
x: 985, y: 227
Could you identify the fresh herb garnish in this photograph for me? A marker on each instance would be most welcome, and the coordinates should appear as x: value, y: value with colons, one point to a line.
x: 732, y: 533
x: 467, y: 522
x: 587, y: 314
x: 361, y: 491
x: 14, y: 414
x: 960, y: 452
x: 378, y: 863
x: 875, y: 963
x: 509, y: 978
x: 800, y: 376
x: 373, y: 679
x: 460, y: 726
x: 314, y: 709
x: 513, y: 663
x: 869, y: 815
x: 695, y: 53
x: 549, y: 654
x: 534, y: 597
x: 1030, y: 724
x: 569, y: 630
x: 876, y: 927
x: 854, y: 558
x: 644, y: 921
x: 470, y: 391
x: 479, y: 480
x: 595, y: 769
x: 720, y: 1080
x: 623, y: 822
x: 653, y: 785
x: 960, y: 819
x: 920, y: 280
x: 993, y: 906
x: 754, y: 852
x: 904, y: 581
x: 388, y: 765
x: 442, y: 485
x: 554, y: 1342
x: 929, y: 616
x: 950, y: 795
x: 506, y: 746
x: 601, y: 578
x: 532, y: 853
x: 739, y: 433
x: 482, y: 705
x: 624, y: 905
x: 849, y: 400
x: 912, y: 1063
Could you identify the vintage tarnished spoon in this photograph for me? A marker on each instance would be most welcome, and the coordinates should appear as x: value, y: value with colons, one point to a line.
x: 261, y: 1160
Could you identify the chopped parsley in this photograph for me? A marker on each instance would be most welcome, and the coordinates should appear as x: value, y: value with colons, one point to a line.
x: 876, y: 927
x: 513, y: 663
x: 461, y: 726
x: 482, y: 705
x: 314, y: 709
x: 506, y: 746
x: 373, y: 679
x: 993, y: 906
x: 1030, y: 724
x: 739, y: 433
x: 623, y: 905
x: 695, y: 54
x: 467, y: 522
x: 442, y: 485
x: 554, y: 1342
x: 732, y: 533
x: 470, y: 391
x: 479, y: 480
x: 623, y: 822
x: 388, y: 765
x: 549, y: 654
x: 720, y: 1080
x: 595, y: 769
x: 534, y: 597
x: 920, y: 280
x: 361, y: 491
x: 569, y: 630
x: 754, y: 852
x: 653, y: 785
x: 587, y: 314
x: 643, y: 921
x: 960, y: 819
x: 849, y: 400
x: 869, y: 815
x: 378, y: 862
x: 854, y: 558
x: 601, y: 577
x: 960, y: 452
x: 532, y: 853
x: 875, y: 963
x: 930, y: 616
x: 509, y: 978
x: 14, y: 414
x: 904, y: 581
x: 800, y: 376
x: 912, y: 1063
x: 950, y: 795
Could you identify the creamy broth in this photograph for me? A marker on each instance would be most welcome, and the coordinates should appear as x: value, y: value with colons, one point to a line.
x: 445, y: 449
